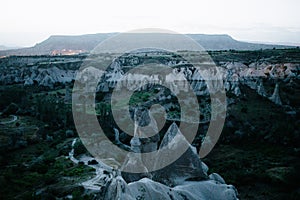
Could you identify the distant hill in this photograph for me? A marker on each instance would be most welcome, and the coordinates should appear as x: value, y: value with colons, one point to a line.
x: 60, y: 44
x: 226, y: 42
x: 2, y: 47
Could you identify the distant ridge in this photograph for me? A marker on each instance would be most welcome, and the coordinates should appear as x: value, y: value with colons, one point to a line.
x: 60, y: 44
x: 2, y: 47
x: 226, y: 42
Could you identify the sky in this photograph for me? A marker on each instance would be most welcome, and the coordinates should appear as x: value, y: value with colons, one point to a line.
x: 25, y: 23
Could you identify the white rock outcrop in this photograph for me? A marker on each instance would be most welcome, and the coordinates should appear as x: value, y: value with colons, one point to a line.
x: 276, y: 97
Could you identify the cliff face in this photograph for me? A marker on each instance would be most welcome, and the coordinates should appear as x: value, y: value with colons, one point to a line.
x: 42, y: 71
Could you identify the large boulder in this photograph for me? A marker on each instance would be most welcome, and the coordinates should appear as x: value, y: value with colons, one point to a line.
x: 149, y: 189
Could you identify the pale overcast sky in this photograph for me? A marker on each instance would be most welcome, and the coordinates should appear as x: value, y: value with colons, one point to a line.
x: 26, y: 22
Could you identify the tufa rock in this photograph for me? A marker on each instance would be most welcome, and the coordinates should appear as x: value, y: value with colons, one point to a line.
x: 186, y: 167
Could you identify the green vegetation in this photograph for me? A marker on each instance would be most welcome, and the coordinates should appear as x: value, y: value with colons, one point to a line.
x: 140, y: 97
x: 246, y: 166
x: 39, y: 166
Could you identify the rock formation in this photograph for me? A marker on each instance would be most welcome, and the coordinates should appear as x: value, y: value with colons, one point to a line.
x: 186, y: 178
x: 188, y: 166
x: 47, y: 72
x: 275, y: 97
x: 260, y: 89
